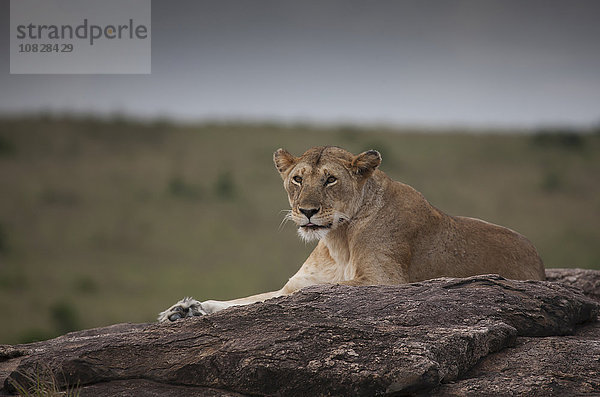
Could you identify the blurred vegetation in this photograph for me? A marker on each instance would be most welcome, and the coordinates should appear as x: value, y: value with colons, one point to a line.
x: 3, y: 240
x: 106, y: 221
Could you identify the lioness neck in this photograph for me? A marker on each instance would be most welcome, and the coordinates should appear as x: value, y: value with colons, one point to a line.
x: 338, y: 240
x: 372, y: 198
x: 338, y: 245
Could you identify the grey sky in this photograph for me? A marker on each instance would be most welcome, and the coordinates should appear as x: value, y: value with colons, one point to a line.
x: 479, y: 62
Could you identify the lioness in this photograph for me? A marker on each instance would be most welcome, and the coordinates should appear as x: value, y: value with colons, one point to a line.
x: 373, y: 230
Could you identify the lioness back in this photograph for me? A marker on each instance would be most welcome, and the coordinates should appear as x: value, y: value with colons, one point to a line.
x: 468, y: 246
x: 440, y: 245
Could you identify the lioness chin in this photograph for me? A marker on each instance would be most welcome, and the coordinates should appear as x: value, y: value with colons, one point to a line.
x: 373, y: 230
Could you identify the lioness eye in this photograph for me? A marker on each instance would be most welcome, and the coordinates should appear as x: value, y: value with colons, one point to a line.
x: 330, y: 180
x: 298, y: 179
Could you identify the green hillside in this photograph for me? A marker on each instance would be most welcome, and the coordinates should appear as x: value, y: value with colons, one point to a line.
x: 112, y: 221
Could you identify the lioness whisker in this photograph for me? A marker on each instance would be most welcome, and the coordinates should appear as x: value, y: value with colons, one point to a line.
x: 286, y: 218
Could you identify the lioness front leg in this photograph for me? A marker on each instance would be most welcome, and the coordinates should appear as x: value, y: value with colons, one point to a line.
x: 189, y: 307
x: 309, y: 274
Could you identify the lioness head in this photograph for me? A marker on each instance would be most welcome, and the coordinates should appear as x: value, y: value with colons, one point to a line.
x: 324, y: 186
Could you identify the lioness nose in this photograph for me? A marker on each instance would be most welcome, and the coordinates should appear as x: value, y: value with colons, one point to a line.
x: 308, y: 212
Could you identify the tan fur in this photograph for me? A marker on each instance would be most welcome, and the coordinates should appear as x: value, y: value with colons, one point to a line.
x: 373, y: 230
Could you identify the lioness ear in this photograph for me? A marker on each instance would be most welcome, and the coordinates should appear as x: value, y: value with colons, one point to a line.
x: 283, y: 160
x: 365, y: 163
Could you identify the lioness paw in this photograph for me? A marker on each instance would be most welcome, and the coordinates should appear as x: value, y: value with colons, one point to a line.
x: 187, y: 307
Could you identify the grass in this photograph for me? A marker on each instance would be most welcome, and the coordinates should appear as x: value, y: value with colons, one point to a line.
x: 113, y: 221
x: 42, y: 383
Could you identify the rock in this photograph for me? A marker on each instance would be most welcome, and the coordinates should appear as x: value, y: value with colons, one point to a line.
x: 585, y: 279
x: 551, y: 366
x: 148, y: 388
x: 433, y: 336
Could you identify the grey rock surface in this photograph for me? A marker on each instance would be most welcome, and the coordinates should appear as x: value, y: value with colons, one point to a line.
x: 551, y: 366
x: 585, y: 279
x: 471, y: 336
